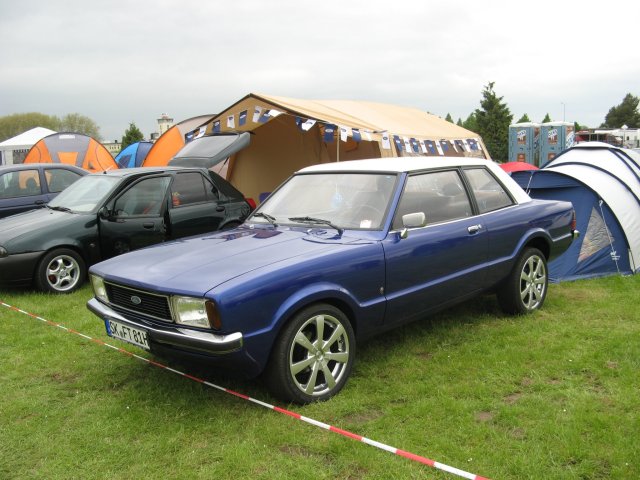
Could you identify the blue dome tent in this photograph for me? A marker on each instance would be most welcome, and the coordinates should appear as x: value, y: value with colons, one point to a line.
x: 133, y: 155
x: 603, y: 183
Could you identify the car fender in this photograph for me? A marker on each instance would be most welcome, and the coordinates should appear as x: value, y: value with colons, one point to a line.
x: 534, y: 236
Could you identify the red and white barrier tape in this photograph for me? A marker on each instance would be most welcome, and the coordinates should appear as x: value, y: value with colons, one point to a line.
x: 344, y: 433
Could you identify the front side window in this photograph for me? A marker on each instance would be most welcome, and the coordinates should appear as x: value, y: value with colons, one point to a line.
x: 22, y: 183
x: 347, y: 200
x: 58, y: 179
x: 441, y: 196
x: 145, y: 198
x: 490, y: 195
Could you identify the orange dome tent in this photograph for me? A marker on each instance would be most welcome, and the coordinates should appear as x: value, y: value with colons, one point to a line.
x: 73, y: 149
x: 171, y: 141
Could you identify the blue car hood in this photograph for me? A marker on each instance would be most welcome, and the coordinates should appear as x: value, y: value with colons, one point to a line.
x: 195, y: 265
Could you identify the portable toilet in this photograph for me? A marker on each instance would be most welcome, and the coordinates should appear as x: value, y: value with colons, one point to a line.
x: 524, y: 143
x: 555, y: 137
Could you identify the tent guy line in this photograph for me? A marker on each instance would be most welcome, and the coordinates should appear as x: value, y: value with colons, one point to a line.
x: 387, y: 448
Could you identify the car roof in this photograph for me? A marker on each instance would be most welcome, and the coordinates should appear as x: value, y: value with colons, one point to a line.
x: 31, y: 166
x: 395, y: 164
x: 123, y: 172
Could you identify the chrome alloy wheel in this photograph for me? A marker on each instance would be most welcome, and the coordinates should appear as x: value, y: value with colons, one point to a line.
x: 319, y: 355
x: 533, y: 282
x: 63, y: 273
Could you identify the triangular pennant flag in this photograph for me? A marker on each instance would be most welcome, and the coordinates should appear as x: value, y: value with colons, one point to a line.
x: 343, y: 134
x: 398, y: 143
x: 242, y: 118
x: 329, y: 130
x: 356, y: 135
x: 231, y: 121
x: 256, y: 114
x: 216, y: 126
x: 386, y: 143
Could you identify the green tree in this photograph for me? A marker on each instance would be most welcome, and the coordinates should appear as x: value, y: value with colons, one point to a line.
x: 471, y: 123
x: 17, y: 123
x: 459, y: 122
x: 131, y: 135
x: 546, y: 118
x: 493, y: 120
x: 624, y: 114
x: 74, y: 122
x: 448, y: 118
x: 524, y: 119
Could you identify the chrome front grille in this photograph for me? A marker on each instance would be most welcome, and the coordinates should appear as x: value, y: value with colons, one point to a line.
x: 139, y: 301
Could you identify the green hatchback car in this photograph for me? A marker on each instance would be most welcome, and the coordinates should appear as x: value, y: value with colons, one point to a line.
x: 106, y: 214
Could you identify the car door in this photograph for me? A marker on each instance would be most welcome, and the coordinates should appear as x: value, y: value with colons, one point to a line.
x: 440, y: 262
x: 20, y: 190
x: 135, y: 218
x: 196, y: 205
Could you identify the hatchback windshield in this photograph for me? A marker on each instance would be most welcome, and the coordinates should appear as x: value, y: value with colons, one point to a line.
x: 343, y: 200
x: 85, y: 195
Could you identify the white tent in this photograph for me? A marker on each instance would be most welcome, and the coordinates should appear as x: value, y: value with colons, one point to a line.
x: 603, y: 183
x: 21, y: 144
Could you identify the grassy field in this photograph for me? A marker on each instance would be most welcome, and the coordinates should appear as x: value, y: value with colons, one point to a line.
x: 552, y: 395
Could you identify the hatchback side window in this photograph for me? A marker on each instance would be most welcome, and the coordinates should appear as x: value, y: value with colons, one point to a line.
x: 58, y: 179
x: 145, y: 198
x: 490, y: 195
x: 441, y: 196
x: 189, y: 188
x: 22, y: 183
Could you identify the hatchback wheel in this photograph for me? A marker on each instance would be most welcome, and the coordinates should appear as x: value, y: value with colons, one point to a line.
x: 313, y: 356
x: 60, y: 271
x: 526, y: 287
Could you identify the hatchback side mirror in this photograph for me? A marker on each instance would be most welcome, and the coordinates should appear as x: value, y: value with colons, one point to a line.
x: 104, y: 213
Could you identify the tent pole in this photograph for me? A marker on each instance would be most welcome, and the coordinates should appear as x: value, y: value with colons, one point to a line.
x: 337, y: 145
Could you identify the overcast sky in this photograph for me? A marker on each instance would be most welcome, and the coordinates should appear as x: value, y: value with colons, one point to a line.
x: 118, y: 62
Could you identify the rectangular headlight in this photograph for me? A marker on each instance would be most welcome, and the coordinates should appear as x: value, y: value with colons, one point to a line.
x: 190, y: 311
x: 99, y: 290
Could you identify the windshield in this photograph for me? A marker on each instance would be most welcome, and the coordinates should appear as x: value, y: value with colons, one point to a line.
x: 85, y: 195
x: 341, y: 200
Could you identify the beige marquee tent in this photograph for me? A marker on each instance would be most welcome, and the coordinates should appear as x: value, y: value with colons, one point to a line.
x: 287, y: 134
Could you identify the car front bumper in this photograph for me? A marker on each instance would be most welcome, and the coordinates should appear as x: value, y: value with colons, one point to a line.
x: 17, y: 270
x: 173, y: 336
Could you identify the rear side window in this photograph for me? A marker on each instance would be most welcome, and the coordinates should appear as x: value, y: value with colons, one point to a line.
x: 490, y: 195
x: 189, y: 188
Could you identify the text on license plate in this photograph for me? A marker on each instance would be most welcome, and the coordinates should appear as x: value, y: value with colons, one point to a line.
x: 128, y: 334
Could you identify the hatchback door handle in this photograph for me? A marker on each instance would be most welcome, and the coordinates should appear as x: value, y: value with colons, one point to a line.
x: 473, y: 229
x: 148, y: 225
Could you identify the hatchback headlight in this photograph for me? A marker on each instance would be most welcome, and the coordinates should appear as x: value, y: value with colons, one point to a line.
x: 190, y: 311
x: 99, y: 290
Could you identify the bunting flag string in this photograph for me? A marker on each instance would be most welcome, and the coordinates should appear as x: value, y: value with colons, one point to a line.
x: 404, y: 145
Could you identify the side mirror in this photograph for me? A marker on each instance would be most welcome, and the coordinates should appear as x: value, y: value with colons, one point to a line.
x: 104, y: 213
x: 412, y: 220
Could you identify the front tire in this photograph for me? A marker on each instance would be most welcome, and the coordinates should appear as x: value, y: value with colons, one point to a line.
x: 313, y: 356
x: 525, y: 290
x: 60, y: 271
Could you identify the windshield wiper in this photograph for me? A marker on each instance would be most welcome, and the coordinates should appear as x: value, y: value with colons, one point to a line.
x: 317, y: 221
x: 271, y: 219
x: 60, y: 209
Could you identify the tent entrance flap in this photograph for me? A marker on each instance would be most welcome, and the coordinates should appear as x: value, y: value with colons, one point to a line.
x: 210, y: 150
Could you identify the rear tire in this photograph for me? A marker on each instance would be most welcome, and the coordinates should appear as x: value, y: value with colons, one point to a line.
x: 60, y: 271
x: 313, y: 356
x: 525, y: 290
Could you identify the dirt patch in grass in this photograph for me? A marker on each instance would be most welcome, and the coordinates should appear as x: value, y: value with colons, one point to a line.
x: 484, y: 416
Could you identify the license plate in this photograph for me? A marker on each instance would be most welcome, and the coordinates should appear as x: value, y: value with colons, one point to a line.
x: 129, y: 334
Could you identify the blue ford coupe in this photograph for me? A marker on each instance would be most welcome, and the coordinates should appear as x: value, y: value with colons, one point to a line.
x: 339, y: 252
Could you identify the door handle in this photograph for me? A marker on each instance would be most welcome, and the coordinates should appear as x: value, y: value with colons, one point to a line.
x: 473, y: 229
x: 148, y: 225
